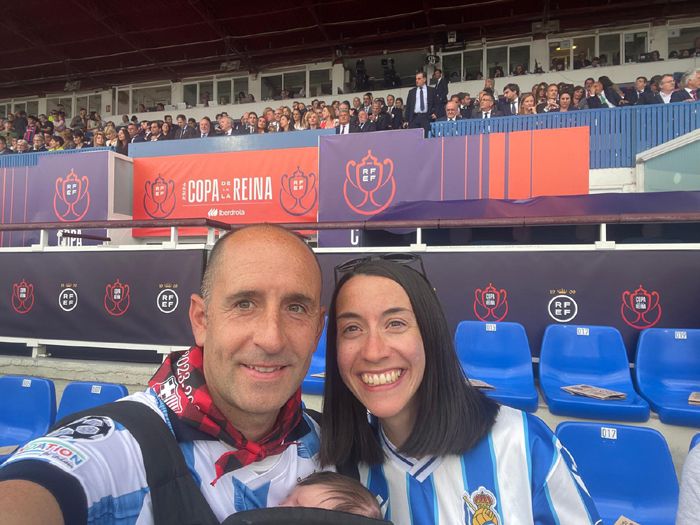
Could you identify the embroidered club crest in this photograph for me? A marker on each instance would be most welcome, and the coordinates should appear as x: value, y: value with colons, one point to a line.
x: 479, y: 508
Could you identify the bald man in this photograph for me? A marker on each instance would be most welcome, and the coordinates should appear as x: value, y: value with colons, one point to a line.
x: 232, y: 401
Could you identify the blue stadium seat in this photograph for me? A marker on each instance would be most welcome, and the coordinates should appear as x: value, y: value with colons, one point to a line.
x: 592, y: 355
x: 499, y: 354
x: 627, y: 470
x: 80, y: 395
x: 694, y: 441
x: 314, y: 385
x: 27, y: 409
x: 667, y: 369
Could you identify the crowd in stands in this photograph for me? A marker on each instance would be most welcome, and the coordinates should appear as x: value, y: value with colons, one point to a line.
x: 22, y: 133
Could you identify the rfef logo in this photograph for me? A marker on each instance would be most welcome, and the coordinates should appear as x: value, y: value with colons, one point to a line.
x: 640, y: 309
x: 369, y: 186
x: 71, y: 201
x: 159, y: 197
x: 22, y: 296
x: 299, y: 192
x: 117, y: 298
x: 490, y: 303
x: 562, y: 307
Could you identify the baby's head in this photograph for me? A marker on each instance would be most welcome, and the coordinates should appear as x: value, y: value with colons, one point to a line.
x: 332, y: 491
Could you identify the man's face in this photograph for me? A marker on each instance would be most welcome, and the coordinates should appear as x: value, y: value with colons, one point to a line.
x: 278, y: 114
x: 597, y: 88
x: 362, y: 117
x: 225, y: 124
x: 343, y: 118
x: 22, y: 145
x: 269, y: 115
x: 489, y: 83
x: 83, y: 112
x: 420, y: 80
x: 260, y: 324
x: 366, y: 100
x: 38, y: 141
x: 3, y: 145
x: 155, y: 129
x: 344, y: 106
x: 588, y: 84
x: 640, y: 84
x: 389, y: 100
x: 693, y: 81
x: 510, y: 95
x: 552, y: 92
x: 204, y: 126
x: 356, y: 102
x: 451, y: 109
x: 486, y: 102
x: 437, y: 74
x: 132, y: 129
x: 181, y: 122
x: 376, y: 107
x: 252, y: 119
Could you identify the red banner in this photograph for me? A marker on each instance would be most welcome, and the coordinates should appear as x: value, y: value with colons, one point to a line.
x: 236, y: 187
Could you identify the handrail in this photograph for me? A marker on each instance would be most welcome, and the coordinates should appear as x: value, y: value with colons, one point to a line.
x: 617, y: 135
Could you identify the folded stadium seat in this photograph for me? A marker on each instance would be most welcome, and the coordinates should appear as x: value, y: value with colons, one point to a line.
x: 627, y: 470
x: 694, y: 441
x: 27, y: 410
x: 499, y: 354
x: 314, y: 380
x: 79, y: 395
x: 591, y: 355
x: 667, y: 369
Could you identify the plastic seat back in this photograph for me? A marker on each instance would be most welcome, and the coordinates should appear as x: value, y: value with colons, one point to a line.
x: 80, y: 395
x: 27, y: 408
x: 628, y: 470
x: 595, y: 355
x: 668, y: 358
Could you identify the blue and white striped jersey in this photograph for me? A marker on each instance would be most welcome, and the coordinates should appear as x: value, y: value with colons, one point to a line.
x: 106, y: 461
x: 519, y: 474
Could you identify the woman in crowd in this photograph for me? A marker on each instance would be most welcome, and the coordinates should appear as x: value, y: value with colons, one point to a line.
x: 313, y: 120
x: 99, y: 140
x: 123, y: 141
x: 167, y: 131
x: 94, y: 121
x: 261, y: 125
x: 527, y: 104
x: 566, y: 102
x: 59, y: 122
x: 328, y: 119
x: 285, y: 124
x: 298, y: 120
x: 111, y: 136
x: 579, y: 99
x: 540, y: 93
x: 434, y: 449
x: 79, y: 139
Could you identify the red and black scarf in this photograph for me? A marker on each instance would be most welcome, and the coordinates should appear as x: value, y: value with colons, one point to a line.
x: 180, y: 383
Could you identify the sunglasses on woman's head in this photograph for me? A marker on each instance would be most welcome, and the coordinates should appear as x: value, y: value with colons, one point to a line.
x: 398, y: 258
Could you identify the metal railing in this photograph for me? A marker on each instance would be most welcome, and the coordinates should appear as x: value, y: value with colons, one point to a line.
x: 616, y: 135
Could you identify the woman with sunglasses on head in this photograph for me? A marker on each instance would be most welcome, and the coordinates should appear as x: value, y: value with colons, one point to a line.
x: 434, y: 449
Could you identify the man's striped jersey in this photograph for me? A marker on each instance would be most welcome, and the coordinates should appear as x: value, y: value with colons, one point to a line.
x: 106, y: 461
x: 518, y: 474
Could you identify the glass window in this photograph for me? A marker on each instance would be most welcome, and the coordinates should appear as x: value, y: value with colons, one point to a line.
x: 473, y: 64
x: 189, y: 92
x: 560, y: 54
x: 19, y: 106
x: 583, y: 51
x: 635, y: 45
x: 206, y: 92
x: 3, y: 110
x: 519, y: 56
x: 123, y: 102
x: 452, y: 67
x: 33, y: 107
x: 320, y: 82
x: 150, y: 97
x: 683, y: 42
x: 95, y: 103
x: 223, y: 92
x: 271, y: 87
x: 81, y: 102
x: 609, y: 49
x: 295, y: 83
x: 240, y: 85
x: 497, y: 60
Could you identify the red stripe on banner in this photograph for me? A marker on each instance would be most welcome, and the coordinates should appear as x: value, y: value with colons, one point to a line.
x: 559, y: 167
x: 519, y: 164
x: 497, y: 166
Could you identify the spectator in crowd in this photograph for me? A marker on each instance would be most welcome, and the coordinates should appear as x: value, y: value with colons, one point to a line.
x: 666, y: 85
x: 22, y: 146
x: 640, y: 87
x: 38, y: 143
x: 205, y: 128
x: 363, y: 123
x: 134, y: 135
x: 509, y: 105
x: 20, y: 123
x: 312, y: 122
x: 99, y: 140
x: 8, y: 132
x: 612, y: 92
x: 367, y: 102
x: 123, y: 141
x: 45, y: 125
x: 285, y: 124
x: 401, y: 112
x: 111, y: 136
x: 226, y: 125
x: 94, y: 121
x: 297, y: 120
x: 566, y: 102
x: 4, y: 150
x: 600, y: 97
x: 80, y: 121
x: 489, y: 84
x: 540, y: 93
x: 344, y: 126
x: 156, y: 132
x: 486, y: 107
x: 328, y: 119
x: 379, y: 117
x: 519, y: 70
x: 394, y: 113
x: 79, y: 141
x: 420, y: 104
x: 451, y: 112
x: 588, y: 86
x: 579, y: 98
x: 167, y: 132
x: 688, y: 88
x: 527, y: 104
x: 263, y: 125
x: 440, y: 84
x: 551, y: 102
x: 56, y: 143
x: 31, y: 129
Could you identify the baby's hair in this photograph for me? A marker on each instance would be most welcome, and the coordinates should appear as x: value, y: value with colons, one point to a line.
x: 350, y: 495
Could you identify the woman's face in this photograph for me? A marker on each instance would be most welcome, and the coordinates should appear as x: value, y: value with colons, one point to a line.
x: 99, y: 140
x: 122, y: 135
x: 325, y: 114
x: 284, y: 120
x: 380, y: 349
x: 297, y: 115
x: 528, y: 102
x: 565, y: 100
x: 313, y: 119
x: 262, y: 123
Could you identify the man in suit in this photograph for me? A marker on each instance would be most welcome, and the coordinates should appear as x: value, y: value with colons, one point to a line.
x: 367, y: 102
x: 380, y: 119
x: 486, y: 107
x: 344, y: 126
x: 688, y: 91
x: 183, y: 131
x: 451, y: 112
x: 466, y: 105
x: 600, y: 99
x: 640, y: 87
x: 441, y: 89
x: 363, y: 122
x: 420, y: 104
x: 510, y: 104
x: 205, y: 128
x: 395, y: 114
x: 226, y: 126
